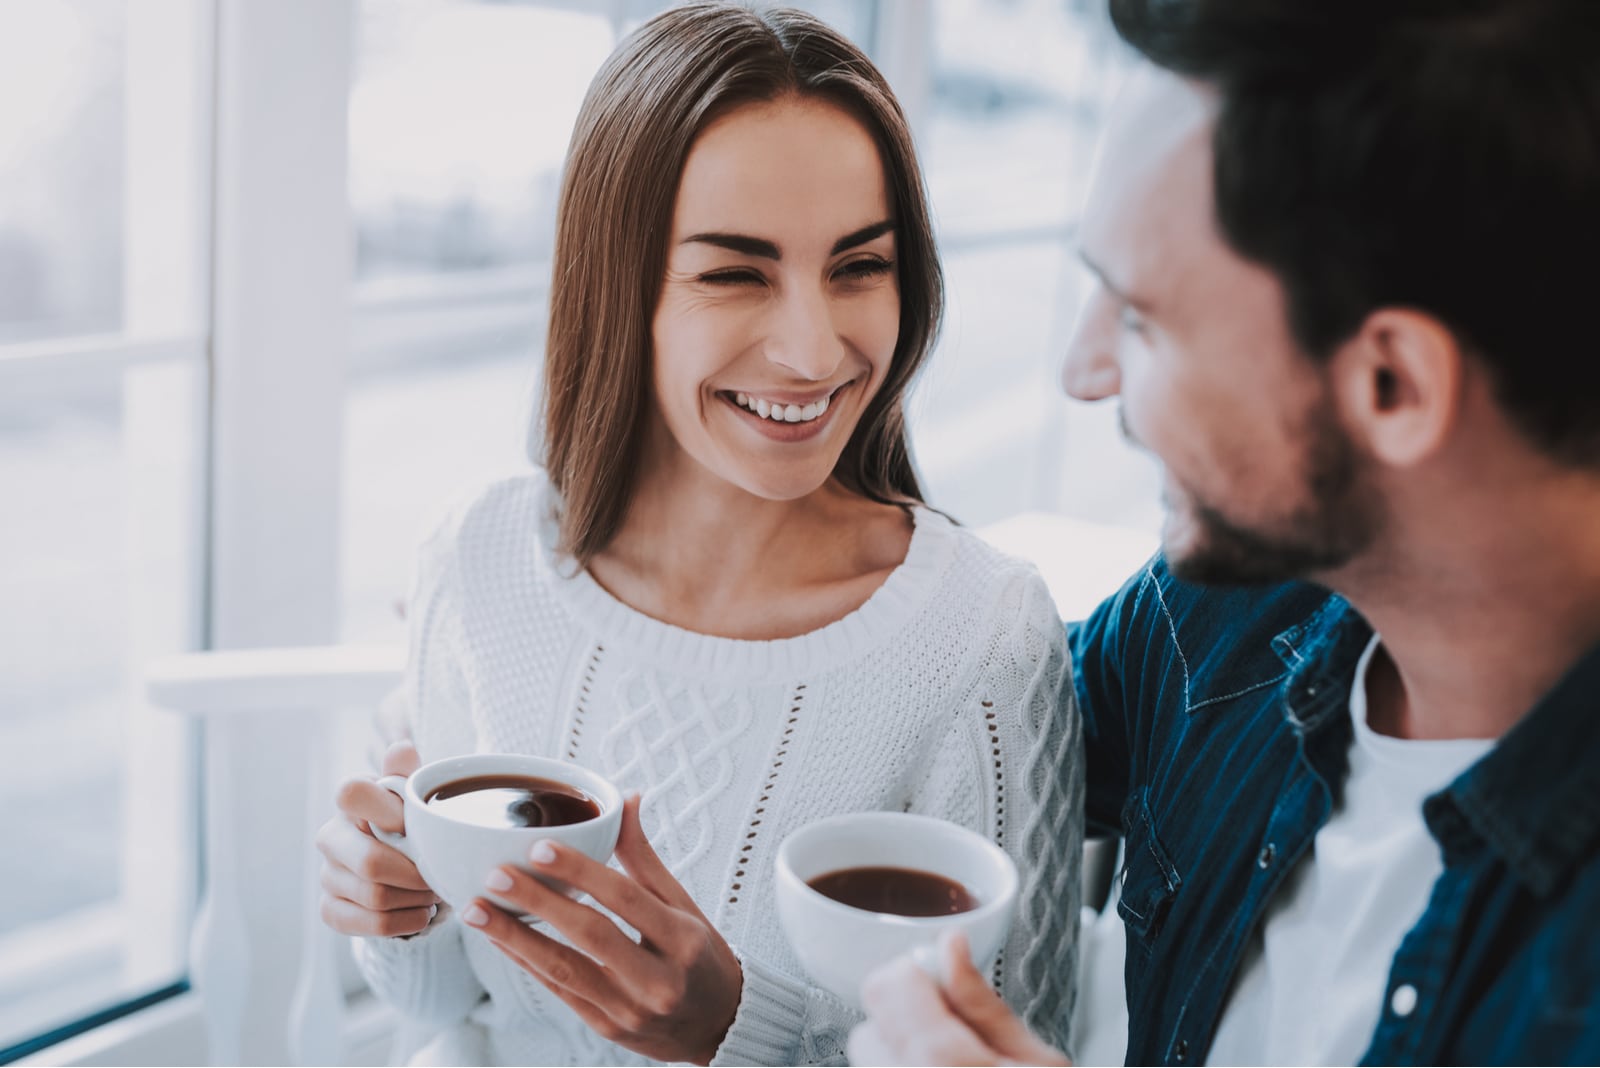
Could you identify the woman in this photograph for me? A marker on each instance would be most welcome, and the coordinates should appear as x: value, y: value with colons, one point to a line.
x: 724, y: 592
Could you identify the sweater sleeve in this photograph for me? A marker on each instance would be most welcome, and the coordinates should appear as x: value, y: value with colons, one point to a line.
x: 1011, y: 766
x: 427, y: 976
x: 784, y: 1020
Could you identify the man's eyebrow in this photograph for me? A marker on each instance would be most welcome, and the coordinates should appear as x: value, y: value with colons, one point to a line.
x: 1122, y: 295
x: 758, y: 246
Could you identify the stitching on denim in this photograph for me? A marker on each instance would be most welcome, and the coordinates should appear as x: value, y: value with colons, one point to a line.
x: 1172, y: 628
x: 1276, y: 680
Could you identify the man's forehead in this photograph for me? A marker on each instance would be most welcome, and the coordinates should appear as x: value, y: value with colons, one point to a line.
x: 1153, y: 165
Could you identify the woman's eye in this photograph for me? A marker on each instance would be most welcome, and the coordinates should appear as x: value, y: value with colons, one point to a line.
x: 861, y: 270
x: 731, y: 278
x: 1130, y: 319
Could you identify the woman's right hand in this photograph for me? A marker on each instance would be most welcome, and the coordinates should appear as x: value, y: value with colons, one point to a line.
x: 369, y: 888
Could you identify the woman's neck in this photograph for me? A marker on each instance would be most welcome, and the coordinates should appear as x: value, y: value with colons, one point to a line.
x: 703, y: 554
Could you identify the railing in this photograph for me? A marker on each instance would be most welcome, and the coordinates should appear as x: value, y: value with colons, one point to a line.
x: 260, y: 957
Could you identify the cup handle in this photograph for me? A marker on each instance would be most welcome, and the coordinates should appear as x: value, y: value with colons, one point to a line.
x: 395, y: 784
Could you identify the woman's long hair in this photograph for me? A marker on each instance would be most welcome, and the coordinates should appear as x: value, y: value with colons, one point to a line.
x: 657, y: 91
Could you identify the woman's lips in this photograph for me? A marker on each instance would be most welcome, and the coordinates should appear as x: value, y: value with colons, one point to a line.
x: 785, y: 431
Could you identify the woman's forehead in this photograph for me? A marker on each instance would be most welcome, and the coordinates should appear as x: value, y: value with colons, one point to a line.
x: 798, y: 172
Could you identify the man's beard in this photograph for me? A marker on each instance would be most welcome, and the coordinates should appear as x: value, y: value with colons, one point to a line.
x: 1336, y: 519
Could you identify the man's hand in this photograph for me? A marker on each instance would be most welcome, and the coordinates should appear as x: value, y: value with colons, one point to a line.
x: 915, y: 1019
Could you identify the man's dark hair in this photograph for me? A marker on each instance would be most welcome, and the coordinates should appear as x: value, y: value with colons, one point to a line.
x: 1442, y: 155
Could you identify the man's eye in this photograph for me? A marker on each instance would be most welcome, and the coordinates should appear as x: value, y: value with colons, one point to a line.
x: 860, y: 270
x: 731, y: 278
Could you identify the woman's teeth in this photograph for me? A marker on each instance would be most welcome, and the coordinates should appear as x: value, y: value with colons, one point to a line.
x: 782, y: 413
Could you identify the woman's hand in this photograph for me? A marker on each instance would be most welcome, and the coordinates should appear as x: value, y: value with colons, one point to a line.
x: 369, y: 888
x: 670, y: 996
x: 914, y: 1019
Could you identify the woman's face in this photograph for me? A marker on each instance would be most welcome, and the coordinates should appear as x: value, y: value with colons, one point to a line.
x: 780, y: 308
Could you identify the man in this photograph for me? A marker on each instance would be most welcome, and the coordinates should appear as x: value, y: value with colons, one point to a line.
x: 1345, y: 290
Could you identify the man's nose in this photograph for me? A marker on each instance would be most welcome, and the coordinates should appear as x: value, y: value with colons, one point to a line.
x: 803, y: 339
x: 1090, y: 370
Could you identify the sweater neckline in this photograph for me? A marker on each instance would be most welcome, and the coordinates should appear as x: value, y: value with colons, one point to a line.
x: 890, y: 607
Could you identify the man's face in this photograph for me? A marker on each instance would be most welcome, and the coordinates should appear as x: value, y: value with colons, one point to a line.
x: 1261, y: 481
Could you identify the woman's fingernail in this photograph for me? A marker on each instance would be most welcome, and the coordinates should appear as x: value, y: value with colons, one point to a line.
x: 542, y: 853
x: 433, y: 910
x: 474, y: 916
x: 498, y: 880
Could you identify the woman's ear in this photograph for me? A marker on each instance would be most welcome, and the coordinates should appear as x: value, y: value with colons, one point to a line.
x: 1399, y: 383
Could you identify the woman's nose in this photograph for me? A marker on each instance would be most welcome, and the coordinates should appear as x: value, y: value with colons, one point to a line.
x: 803, y: 339
x: 1090, y: 370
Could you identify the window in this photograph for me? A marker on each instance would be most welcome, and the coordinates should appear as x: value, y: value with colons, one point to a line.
x: 1015, y: 98
x: 101, y: 390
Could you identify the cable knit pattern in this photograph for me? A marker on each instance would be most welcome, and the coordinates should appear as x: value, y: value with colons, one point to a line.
x: 942, y: 694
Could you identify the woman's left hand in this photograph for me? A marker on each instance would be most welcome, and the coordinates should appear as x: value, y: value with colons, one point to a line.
x: 670, y: 996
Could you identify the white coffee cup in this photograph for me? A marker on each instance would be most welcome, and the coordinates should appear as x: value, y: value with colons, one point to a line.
x: 838, y: 944
x: 455, y: 857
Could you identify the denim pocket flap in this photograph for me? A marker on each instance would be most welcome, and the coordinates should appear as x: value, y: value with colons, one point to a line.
x: 1148, y: 878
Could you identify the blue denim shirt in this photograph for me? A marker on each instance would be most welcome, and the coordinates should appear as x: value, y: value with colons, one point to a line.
x: 1218, y: 733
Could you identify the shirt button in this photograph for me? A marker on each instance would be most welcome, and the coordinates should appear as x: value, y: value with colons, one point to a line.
x: 1181, y: 1050
x: 1404, y: 999
x: 1269, y: 853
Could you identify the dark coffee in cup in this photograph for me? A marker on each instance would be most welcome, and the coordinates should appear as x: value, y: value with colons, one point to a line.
x: 899, y: 891
x: 512, y: 801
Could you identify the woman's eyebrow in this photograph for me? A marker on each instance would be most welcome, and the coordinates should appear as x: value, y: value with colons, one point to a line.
x: 746, y: 245
x: 862, y: 236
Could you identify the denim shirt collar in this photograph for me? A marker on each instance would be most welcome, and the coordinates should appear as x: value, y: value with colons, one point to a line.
x: 1535, y: 798
x: 1321, y: 653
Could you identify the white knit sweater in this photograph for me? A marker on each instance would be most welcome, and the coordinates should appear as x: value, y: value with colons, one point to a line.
x: 942, y: 694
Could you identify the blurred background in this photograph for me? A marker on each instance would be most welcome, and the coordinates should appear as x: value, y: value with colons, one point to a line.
x: 119, y: 312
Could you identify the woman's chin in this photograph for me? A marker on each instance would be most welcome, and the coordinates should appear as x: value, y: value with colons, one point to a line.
x: 780, y: 485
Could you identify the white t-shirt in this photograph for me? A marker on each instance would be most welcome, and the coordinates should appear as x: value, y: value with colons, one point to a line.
x: 1312, y: 983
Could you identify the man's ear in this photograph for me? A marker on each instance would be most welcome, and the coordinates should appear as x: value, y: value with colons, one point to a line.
x: 1399, y: 382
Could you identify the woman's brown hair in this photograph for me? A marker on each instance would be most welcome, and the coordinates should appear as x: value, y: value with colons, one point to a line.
x: 664, y: 84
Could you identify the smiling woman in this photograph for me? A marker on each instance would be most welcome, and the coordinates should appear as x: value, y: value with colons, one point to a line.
x: 724, y: 594
x: 777, y: 295
x: 693, y: 104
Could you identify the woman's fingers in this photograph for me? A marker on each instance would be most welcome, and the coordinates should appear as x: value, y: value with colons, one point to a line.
x: 343, y: 844
x: 557, y: 966
x: 587, y: 929
x: 347, y: 917
x: 639, y: 859
x: 364, y: 801
x: 587, y: 1011
x: 338, y: 881
x: 640, y: 908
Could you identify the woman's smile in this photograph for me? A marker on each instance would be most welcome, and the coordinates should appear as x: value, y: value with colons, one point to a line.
x: 782, y: 416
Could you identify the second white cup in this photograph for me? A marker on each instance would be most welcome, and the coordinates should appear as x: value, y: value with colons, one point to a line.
x: 840, y: 945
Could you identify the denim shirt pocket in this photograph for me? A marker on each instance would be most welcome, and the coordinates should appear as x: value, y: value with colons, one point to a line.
x: 1149, y: 879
